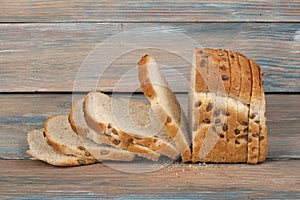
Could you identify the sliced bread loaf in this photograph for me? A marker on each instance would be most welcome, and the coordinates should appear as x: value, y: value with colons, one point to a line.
x: 241, y: 122
x: 61, y: 136
x: 41, y: 150
x: 165, y: 104
x: 128, y: 124
x: 80, y: 126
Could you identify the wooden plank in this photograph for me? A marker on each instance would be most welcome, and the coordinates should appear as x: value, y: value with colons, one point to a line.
x: 47, y: 57
x: 24, y: 112
x: 150, y: 11
x: 34, y: 179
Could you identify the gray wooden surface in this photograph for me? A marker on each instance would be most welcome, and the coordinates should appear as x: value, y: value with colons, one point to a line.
x: 42, y: 47
x: 47, y: 57
x: 148, y: 11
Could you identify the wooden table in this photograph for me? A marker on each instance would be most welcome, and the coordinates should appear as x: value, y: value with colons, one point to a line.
x: 43, y: 43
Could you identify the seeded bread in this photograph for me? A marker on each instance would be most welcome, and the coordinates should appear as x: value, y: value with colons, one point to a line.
x: 165, y: 104
x: 225, y: 112
x: 129, y: 125
x: 41, y: 150
x: 80, y: 126
x: 61, y: 136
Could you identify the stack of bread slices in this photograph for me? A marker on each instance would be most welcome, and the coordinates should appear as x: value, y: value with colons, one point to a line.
x: 225, y: 123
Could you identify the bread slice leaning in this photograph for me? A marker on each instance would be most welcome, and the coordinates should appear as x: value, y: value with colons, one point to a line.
x: 128, y: 124
x: 61, y: 136
x: 165, y: 104
x: 79, y: 125
x: 41, y: 150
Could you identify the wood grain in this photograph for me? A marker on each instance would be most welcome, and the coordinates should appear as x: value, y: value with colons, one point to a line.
x: 47, y: 57
x: 34, y: 179
x: 24, y: 112
x: 148, y: 11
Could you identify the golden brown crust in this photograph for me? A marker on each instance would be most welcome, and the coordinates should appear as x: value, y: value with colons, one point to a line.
x: 73, y: 123
x: 144, y: 79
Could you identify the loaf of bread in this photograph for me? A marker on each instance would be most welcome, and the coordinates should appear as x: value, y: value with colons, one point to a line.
x: 226, y: 108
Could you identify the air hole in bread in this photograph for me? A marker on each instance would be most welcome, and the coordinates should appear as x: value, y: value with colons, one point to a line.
x: 237, y: 142
x: 221, y: 135
x: 257, y: 121
x: 246, y: 130
x: 109, y: 126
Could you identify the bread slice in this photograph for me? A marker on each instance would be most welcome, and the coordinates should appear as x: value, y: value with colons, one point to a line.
x: 256, y: 115
x: 80, y: 126
x: 61, y: 136
x: 128, y: 124
x: 41, y: 150
x: 244, y: 99
x: 165, y: 104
